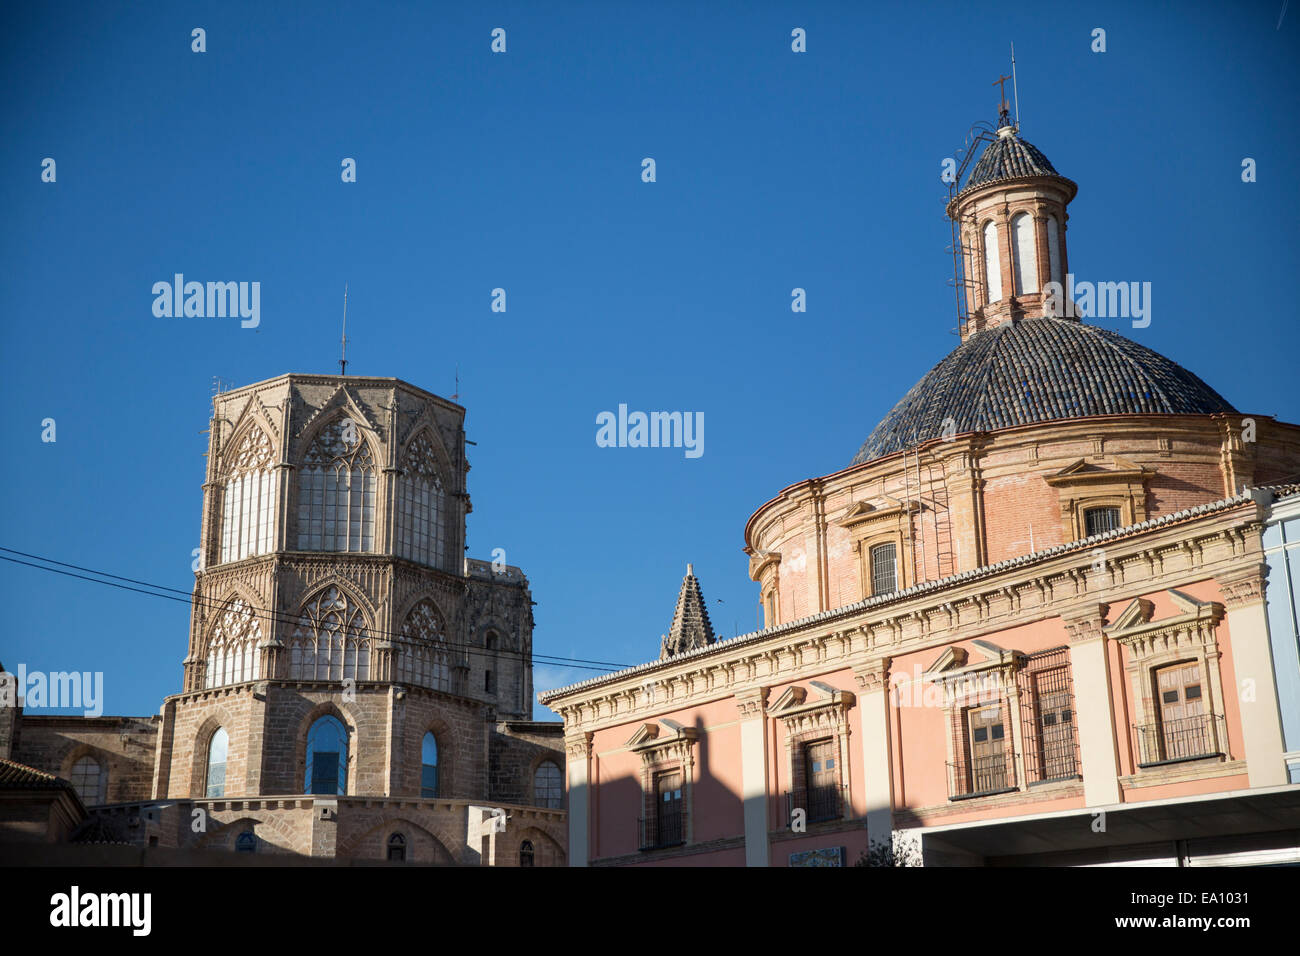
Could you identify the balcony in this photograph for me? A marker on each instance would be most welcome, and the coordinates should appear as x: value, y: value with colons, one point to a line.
x: 820, y: 803
x: 1173, y: 741
x: 663, y: 831
x: 981, y: 776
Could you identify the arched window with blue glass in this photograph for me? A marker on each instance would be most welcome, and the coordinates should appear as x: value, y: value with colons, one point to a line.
x: 429, y: 766
x: 327, y: 757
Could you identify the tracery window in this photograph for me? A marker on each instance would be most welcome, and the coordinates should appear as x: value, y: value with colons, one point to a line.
x: 88, y: 780
x: 336, y: 491
x: 548, y: 787
x: 330, y: 641
x: 233, y: 655
x: 217, y: 750
x: 422, y: 657
x: 248, y: 499
x: 420, y: 504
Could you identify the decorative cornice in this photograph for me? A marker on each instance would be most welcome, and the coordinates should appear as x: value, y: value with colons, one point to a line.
x: 1244, y: 587
x: 1086, y: 622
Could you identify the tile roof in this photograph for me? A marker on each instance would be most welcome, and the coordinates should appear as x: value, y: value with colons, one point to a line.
x: 1009, y: 157
x: 1038, y: 370
x: 18, y: 776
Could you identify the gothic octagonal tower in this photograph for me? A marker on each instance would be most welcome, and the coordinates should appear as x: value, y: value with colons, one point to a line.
x: 1036, y: 430
x: 333, y: 585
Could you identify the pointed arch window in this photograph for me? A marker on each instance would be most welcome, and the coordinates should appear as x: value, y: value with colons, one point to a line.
x: 233, y: 655
x: 330, y: 641
x: 327, y: 757
x: 421, y: 505
x: 397, y: 848
x: 548, y: 786
x: 336, y: 491
x: 1025, y: 260
x: 248, y: 499
x: 422, y: 657
x: 992, y: 268
x: 526, y: 853
x: 218, y: 747
x: 88, y: 779
x: 429, y: 766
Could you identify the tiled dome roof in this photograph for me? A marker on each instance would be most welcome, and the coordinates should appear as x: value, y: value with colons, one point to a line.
x: 1009, y: 157
x: 1039, y: 370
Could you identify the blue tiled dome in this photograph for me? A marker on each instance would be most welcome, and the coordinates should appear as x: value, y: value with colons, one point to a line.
x: 1039, y: 370
x: 1009, y: 157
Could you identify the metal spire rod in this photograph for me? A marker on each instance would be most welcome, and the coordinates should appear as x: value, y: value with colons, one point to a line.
x: 343, y: 360
x: 1015, y: 91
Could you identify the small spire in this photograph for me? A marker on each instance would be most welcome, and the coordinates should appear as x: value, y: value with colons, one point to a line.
x: 691, y: 627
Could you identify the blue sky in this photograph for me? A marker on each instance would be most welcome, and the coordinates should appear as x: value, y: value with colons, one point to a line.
x: 522, y: 171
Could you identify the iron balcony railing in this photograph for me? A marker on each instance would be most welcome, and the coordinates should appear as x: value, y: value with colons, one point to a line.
x: 981, y: 776
x: 661, y: 831
x: 1187, y: 738
x: 822, y: 803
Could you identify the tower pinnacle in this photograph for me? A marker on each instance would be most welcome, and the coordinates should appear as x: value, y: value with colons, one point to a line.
x: 690, y: 628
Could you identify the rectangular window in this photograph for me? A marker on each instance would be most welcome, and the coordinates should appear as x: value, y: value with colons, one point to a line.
x: 1184, y: 731
x: 884, y: 569
x: 1100, y: 520
x: 822, y: 800
x: 988, y: 749
x: 668, y: 809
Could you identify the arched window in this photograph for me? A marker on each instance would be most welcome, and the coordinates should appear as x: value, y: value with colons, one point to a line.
x: 548, y: 786
x: 1054, y: 249
x: 327, y: 757
x: 89, y: 779
x: 217, y: 747
x: 1025, y: 260
x: 429, y: 766
x: 992, y: 270
x: 336, y: 491
x: 233, y: 655
x: 526, y: 853
x: 420, y: 505
x: 421, y: 650
x: 246, y: 842
x: 884, y: 569
x: 248, y: 499
x: 330, y: 641
x: 397, y: 848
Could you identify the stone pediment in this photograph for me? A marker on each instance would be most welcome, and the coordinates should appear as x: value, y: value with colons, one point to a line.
x: 864, y: 512
x: 1112, y: 469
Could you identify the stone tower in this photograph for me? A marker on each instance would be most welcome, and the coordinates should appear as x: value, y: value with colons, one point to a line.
x: 332, y: 582
x: 690, y: 628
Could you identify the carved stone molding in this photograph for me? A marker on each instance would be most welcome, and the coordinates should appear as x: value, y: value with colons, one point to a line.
x: 751, y: 703
x: 578, y: 747
x: 1244, y: 587
x: 1086, y: 622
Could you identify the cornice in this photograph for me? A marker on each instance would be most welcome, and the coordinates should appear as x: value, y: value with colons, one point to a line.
x: 1152, y: 556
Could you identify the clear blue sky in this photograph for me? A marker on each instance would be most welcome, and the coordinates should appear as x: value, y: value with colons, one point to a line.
x: 522, y: 171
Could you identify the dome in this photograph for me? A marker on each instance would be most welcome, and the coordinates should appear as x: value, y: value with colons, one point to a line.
x: 1039, y: 370
x: 1009, y: 157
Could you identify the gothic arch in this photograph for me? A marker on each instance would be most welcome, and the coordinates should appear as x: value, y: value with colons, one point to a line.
x: 354, y: 472
x: 423, y: 646
x: 235, y: 652
x: 354, y: 727
x: 426, y: 426
x: 378, y: 835
x: 332, y: 636
x: 447, y: 756
x: 547, y: 851
x: 202, y: 739
x: 536, y: 764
